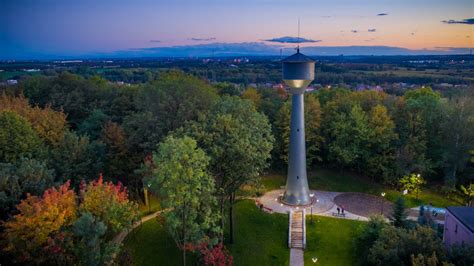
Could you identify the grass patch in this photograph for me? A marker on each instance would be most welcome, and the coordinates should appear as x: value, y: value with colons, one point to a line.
x: 261, y: 238
x: 154, y: 206
x: 331, y: 240
x: 150, y: 244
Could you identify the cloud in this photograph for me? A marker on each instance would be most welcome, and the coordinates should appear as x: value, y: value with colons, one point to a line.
x: 354, y: 31
x: 202, y: 39
x: 288, y: 39
x: 372, y: 30
x: 382, y: 14
x: 469, y: 21
x: 155, y: 41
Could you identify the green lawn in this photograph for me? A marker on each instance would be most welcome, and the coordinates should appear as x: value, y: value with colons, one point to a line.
x: 150, y: 244
x: 331, y: 240
x: 261, y: 238
x: 330, y: 180
x: 154, y: 206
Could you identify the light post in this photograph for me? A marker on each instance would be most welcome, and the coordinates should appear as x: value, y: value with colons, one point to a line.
x: 311, y: 196
x: 383, y: 197
x: 148, y: 197
x: 314, y: 259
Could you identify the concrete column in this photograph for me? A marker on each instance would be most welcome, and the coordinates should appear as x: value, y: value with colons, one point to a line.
x: 297, y: 190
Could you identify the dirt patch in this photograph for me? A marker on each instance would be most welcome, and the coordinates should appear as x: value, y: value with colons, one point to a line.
x: 363, y: 204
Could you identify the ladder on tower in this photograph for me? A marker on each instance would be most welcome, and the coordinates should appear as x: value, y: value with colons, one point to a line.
x: 297, y: 230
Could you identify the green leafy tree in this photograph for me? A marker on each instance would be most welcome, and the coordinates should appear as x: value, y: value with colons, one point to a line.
x: 461, y: 255
x: 395, y: 246
x: 369, y: 234
x: 399, y: 215
x: 27, y: 176
x: 349, y: 134
x: 187, y: 189
x: 426, y: 104
x: 381, y: 139
x: 468, y: 193
x: 17, y: 138
x: 458, y: 137
x: 75, y: 159
x: 176, y: 98
x: 89, y: 246
x: 238, y: 140
x: 93, y: 124
x: 412, y: 183
x: 412, y: 145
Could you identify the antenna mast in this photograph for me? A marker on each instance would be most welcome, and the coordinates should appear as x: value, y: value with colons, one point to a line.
x: 299, y: 40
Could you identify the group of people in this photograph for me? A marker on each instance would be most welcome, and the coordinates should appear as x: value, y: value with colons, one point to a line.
x: 340, y: 210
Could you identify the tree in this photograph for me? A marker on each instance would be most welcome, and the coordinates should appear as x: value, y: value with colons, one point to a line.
x: 253, y: 95
x: 47, y: 123
x: 370, y: 233
x: 412, y: 146
x: 381, y: 137
x: 186, y: 188
x: 93, y: 124
x: 395, y: 246
x: 176, y: 98
x: 461, y: 255
x: 39, y: 220
x: 399, y: 215
x: 110, y: 204
x: 27, y: 176
x: 17, y: 138
x: 349, y: 135
x: 212, y: 256
x: 468, y: 193
x: 458, y: 136
x: 75, y: 158
x: 426, y: 104
x: 412, y: 183
x: 238, y: 140
x: 89, y: 245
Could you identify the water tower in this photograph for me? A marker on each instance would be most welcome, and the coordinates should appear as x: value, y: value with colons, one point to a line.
x: 298, y: 72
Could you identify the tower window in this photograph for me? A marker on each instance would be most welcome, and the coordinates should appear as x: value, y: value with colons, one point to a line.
x: 297, y: 177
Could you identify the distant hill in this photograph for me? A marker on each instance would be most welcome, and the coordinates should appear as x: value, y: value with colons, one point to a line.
x: 246, y: 49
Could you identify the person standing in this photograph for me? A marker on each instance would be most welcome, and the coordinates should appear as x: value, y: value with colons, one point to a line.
x: 338, y: 211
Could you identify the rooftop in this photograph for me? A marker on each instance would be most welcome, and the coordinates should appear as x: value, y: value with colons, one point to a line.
x: 464, y: 214
x: 298, y: 58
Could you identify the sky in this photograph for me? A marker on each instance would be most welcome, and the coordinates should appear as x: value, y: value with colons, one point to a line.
x: 35, y: 28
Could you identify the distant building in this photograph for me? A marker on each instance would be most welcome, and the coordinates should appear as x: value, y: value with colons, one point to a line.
x: 459, y: 226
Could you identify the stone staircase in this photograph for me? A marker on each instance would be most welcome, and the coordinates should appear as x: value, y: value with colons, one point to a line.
x: 297, y: 230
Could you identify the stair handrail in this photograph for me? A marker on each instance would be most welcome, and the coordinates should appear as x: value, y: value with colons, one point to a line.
x: 289, y: 228
x: 304, y: 228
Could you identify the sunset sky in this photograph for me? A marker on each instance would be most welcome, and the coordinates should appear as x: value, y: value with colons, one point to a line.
x: 74, y: 27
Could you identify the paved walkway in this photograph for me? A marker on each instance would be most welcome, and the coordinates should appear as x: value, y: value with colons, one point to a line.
x: 118, y: 239
x: 296, y: 257
x: 324, y: 204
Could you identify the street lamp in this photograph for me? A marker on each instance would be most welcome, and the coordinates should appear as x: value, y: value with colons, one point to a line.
x: 383, y: 196
x: 311, y: 195
x: 314, y: 259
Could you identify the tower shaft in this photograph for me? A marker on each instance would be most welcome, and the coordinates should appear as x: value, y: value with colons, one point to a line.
x: 297, y: 190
